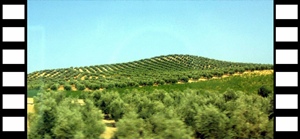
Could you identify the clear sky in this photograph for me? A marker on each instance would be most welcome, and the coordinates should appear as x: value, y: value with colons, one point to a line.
x: 76, y: 33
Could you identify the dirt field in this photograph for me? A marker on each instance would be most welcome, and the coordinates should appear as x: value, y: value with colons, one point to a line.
x: 256, y: 72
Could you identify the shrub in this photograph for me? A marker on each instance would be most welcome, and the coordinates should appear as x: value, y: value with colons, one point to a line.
x: 264, y: 92
x: 80, y: 86
x: 133, y: 125
x: 161, y: 82
x: 184, y: 79
x: 230, y: 95
x: 110, y: 85
x: 211, y: 123
x: 163, y: 127
x: 95, y: 86
x: 133, y: 84
x: 54, y: 86
x: 67, y: 87
x: 150, y: 82
x: 61, y: 82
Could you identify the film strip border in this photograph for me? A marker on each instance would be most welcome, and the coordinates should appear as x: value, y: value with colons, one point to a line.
x: 13, y: 68
x: 286, y: 43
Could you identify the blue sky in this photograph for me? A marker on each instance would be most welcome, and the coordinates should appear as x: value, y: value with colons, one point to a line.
x: 76, y: 33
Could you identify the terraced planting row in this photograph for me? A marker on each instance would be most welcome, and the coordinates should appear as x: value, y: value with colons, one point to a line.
x: 160, y: 70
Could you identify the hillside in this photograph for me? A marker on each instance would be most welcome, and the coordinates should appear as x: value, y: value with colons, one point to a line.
x: 167, y: 69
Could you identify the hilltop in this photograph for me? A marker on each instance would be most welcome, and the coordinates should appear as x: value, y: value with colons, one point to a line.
x: 166, y: 69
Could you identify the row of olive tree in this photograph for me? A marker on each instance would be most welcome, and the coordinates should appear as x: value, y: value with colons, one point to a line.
x: 188, y: 114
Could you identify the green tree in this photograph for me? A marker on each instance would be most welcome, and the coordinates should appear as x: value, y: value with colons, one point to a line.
x: 131, y: 127
x: 164, y: 127
x: 230, y: 95
x: 249, y: 111
x: 116, y: 108
x: 80, y: 86
x: 54, y: 86
x: 73, y: 125
x: 93, y: 117
x: 210, y: 122
x: 67, y: 87
x: 59, y: 117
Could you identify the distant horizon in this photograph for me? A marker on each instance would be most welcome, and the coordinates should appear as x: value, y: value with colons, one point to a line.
x: 63, y: 34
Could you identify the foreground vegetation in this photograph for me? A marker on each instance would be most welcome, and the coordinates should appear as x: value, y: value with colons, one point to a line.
x: 233, y: 107
x: 58, y: 117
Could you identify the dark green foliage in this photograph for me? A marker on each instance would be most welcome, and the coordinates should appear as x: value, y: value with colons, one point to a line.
x: 264, y: 91
x: 230, y: 95
x: 61, y: 82
x: 116, y: 108
x: 54, y: 86
x: 161, y: 82
x: 67, y: 87
x: 132, y: 84
x: 184, y: 79
x: 93, y: 86
x: 80, y: 86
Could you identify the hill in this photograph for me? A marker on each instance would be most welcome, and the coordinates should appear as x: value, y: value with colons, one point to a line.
x: 166, y: 69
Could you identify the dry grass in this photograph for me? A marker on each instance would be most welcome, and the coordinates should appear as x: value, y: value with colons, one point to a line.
x: 30, y: 108
x: 256, y: 72
x: 30, y: 105
x: 61, y: 88
x: 108, y: 133
x: 30, y: 100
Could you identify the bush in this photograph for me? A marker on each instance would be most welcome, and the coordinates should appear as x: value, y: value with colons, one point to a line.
x: 184, y: 79
x: 80, y: 86
x: 54, y: 86
x: 67, y: 87
x: 131, y: 127
x: 211, y: 123
x: 110, y: 85
x: 161, y: 82
x: 196, y: 77
x: 116, y: 109
x: 61, y: 82
x: 94, y: 86
x: 132, y: 84
x: 230, y: 95
x: 264, y: 92
x: 150, y: 82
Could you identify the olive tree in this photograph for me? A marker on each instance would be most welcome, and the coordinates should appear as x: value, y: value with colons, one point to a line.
x: 59, y: 117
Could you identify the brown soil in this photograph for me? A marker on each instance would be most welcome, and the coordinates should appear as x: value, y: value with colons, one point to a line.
x: 73, y: 88
x: 60, y: 88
